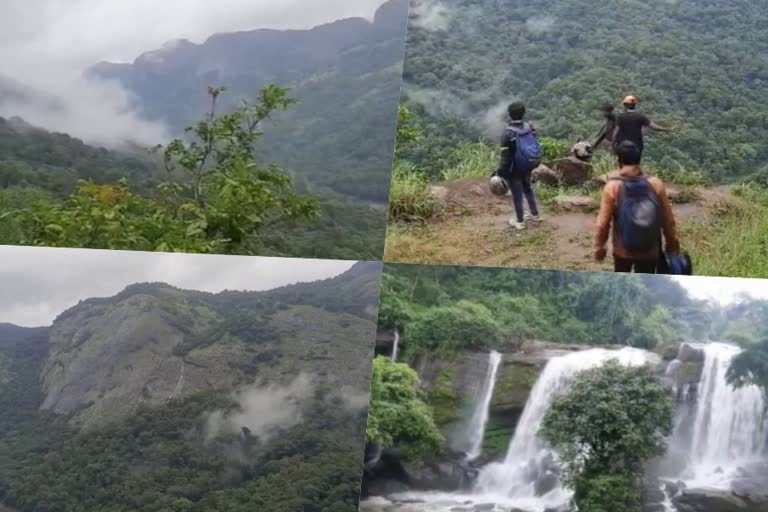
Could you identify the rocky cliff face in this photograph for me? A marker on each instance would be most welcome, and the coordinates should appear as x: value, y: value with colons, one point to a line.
x: 153, y: 343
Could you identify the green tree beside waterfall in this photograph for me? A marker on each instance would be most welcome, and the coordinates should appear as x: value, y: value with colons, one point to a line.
x: 397, y: 415
x: 612, y: 420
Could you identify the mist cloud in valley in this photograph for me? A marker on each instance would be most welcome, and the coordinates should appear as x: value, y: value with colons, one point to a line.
x: 45, y: 46
x: 263, y: 410
x: 430, y: 14
x: 540, y: 24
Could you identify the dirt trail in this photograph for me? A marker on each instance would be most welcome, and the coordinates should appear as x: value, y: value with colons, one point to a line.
x: 474, y: 231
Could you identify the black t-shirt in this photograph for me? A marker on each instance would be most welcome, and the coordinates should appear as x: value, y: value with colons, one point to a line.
x: 631, y: 126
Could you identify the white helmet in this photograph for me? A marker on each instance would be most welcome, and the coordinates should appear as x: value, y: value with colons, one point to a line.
x: 498, y: 185
x: 582, y: 150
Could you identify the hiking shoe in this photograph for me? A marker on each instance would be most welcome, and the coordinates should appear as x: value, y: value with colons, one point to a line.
x: 532, y: 218
x: 517, y: 225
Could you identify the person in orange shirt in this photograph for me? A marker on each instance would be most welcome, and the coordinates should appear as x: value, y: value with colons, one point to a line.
x: 636, y: 210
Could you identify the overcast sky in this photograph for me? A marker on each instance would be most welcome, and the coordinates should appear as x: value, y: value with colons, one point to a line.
x: 47, y: 44
x: 77, y: 33
x: 723, y: 289
x: 36, y: 284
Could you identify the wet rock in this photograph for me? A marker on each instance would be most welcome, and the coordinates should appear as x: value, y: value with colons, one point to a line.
x: 690, y: 354
x: 583, y: 204
x: 546, y: 483
x: 710, y: 500
x: 563, y: 508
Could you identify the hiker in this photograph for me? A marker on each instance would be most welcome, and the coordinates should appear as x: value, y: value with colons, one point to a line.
x: 609, y: 126
x: 635, y: 207
x: 630, y: 124
x: 520, y: 155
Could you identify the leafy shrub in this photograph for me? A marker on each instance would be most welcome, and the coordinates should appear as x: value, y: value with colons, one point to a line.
x: 398, y: 416
x: 463, y: 326
x: 410, y: 199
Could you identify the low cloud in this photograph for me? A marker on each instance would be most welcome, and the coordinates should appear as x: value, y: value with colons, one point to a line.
x: 264, y: 410
x: 98, y: 112
x: 540, y: 24
x: 430, y: 14
x: 48, y: 44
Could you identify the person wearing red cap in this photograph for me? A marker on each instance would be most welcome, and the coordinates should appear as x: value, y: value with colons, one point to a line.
x: 630, y: 125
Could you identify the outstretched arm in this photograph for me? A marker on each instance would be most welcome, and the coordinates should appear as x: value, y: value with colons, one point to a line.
x: 656, y: 127
x: 601, y: 136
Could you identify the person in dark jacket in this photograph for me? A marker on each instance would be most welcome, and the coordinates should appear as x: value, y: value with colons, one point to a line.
x: 519, y: 180
x: 631, y: 123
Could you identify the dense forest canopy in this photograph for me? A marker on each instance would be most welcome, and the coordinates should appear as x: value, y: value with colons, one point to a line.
x: 457, y: 308
x: 698, y: 65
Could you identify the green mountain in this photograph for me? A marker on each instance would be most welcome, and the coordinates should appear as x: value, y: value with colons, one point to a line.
x: 31, y: 156
x: 337, y: 142
x: 162, y: 399
x: 346, y: 75
x: 698, y: 65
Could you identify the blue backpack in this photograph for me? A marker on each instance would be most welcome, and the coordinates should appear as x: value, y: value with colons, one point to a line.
x: 528, y: 152
x: 638, y: 216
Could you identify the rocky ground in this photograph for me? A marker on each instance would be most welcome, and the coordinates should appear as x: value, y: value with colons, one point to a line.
x: 473, y: 229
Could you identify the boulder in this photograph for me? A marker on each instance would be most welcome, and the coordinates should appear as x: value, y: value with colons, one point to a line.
x: 571, y: 171
x: 583, y: 204
x: 545, y: 175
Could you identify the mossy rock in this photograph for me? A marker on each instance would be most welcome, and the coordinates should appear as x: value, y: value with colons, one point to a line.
x: 496, y: 442
x: 513, y: 387
x: 444, y: 398
x: 668, y: 351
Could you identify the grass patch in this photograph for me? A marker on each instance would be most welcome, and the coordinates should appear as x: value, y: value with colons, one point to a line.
x: 733, y: 240
x: 473, y: 160
x: 410, y: 199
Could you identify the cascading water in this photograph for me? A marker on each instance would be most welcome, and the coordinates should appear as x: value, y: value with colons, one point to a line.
x: 529, y: 463
x: 395, y: 344
x: 476, y: 428
x: 728, y: 425
x: 524, y: 480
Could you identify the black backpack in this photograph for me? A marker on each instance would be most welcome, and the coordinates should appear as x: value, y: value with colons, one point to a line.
x: 638, y: 214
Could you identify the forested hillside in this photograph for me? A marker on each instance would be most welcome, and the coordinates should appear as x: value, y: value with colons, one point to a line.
x: 31, y: 156
x: 698, y: 65
x: 458, y: 308
x: 162, y: 399
x: 346, y: 76
x: 332, y: 136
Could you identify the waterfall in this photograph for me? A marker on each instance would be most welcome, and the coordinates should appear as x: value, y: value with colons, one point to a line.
x: 729, y: 425
x: 476, y: 430
x: 528, y: 471
x: 395, y: 344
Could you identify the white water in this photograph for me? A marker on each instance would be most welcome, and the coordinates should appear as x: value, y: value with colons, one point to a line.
x: 528, y: 457
x: 510, y: 485
x: 394, y: 345
x: 479, y: 421
x: 729, y: 425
